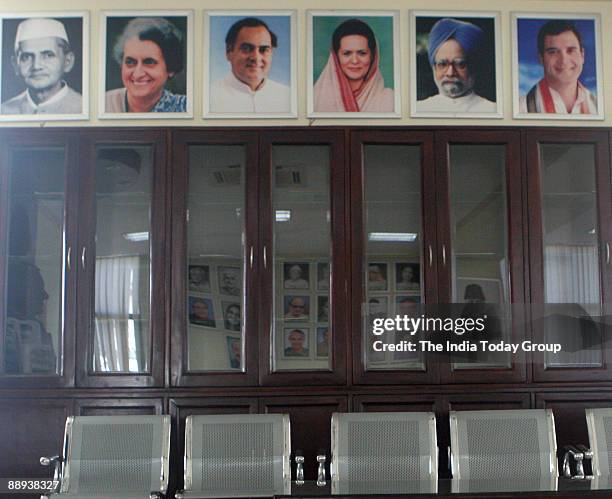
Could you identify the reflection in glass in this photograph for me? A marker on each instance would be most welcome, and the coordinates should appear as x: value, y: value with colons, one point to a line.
x: 571, y: 254
x: 35, y: 280
x: 122, y: 319
x: 479, y: 226
x: 392, y: 274
x: 215, y: 249
x: 302, y: 250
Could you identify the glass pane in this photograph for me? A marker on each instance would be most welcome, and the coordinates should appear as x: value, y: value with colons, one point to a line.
x: 393, y: 274
x: 479, y: 241
x: 35, y: 279
x: 571, y: 254
x: 302, y: 251
x: 122, y: 293
x: 215, y: 249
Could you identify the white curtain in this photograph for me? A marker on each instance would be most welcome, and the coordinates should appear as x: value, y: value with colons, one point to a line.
x: 571, y: 276
x: 118, y: 340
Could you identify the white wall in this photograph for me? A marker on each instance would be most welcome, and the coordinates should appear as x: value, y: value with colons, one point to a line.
x: 506, y: 7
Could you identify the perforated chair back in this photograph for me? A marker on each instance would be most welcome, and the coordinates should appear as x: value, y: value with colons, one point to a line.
x: 508, y: 444
x: 237, y: 455
x: 384, y: 446
x: 599, y: 424
x: 108, y: 456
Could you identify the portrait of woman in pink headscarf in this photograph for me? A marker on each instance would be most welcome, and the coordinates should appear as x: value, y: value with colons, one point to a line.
x: 351, y: 80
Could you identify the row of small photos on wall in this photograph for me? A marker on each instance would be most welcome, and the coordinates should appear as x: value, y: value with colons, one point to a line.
x: 250, y: 65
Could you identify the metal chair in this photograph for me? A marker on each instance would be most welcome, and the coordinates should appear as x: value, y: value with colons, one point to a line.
x: 599, y: 424
x: 385, y: 447
x: 501, y: 448
x: 238, y: 455
x: 113, y: 457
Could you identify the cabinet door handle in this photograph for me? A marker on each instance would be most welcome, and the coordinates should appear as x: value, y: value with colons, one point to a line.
x: 607, y: 253
x: 83, y: 257
x: 265, y: 259
x: 69, y: 258
x: 430, y: 256
x: 251, y: 257
x: 444, y: 255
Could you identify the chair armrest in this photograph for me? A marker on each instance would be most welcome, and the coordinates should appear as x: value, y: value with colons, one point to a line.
x: 56, y: 461
x: 572, y: 453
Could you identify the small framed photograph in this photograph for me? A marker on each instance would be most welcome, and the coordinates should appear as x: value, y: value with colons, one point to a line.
x: 407, y: 276
x: 297, y: 341
x: 377, y: 277
x: 297, y: 308
x: 201, y: 311
x: 146, y: 65
x: 456, y: 65
x: 407, y: 304
x: 376, y: 308
x: 323, y: 276
x: 199, y: 278
x: 296, y: 275
x: 323, y: 337
x: 45, y: 66
x: 557, y: 73
x: 234, y: 352
x: 251, y: 64
x: 353, y: 64
x: 479, y: 290
x: 323, y: 308
x: 230, y: 280
x: 232, y: 316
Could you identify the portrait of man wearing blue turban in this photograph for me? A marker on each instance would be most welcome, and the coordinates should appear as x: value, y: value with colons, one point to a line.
x: 454, y: 50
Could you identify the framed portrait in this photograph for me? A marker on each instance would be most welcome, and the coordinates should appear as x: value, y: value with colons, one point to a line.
x: 323, y: 276
x: 296, y: 342
x: 234, y: 352
x: 407, y: 276
x: 199, y: 278
x: 323, y: 308
x: 59, y: 43
x: 353, y: 64
x: 201, y: 311
x: 297, y: 308
x: 296, y: 275
x: 376, y: 308
x: 479, y: 289
x: 230, y: 280
x: 323, y: 337
x: 544, y: 88
x: 456, y: 65
x: 378, y: 277
x: 232, y: 316
x: 146, y: 64
x: 250, y: 64
x: 407, y: 304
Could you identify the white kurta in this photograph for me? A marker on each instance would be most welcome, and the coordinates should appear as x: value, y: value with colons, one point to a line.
x: 230, y: 95
x: 583, y: 96
x: 470, y: 103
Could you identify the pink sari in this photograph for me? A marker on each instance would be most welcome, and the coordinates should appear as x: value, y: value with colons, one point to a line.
x: 332, y: 91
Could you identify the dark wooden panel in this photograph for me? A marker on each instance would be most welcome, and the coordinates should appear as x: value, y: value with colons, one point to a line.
x: 568, y: 408
x: 118, y: 407
x: 395, y: 403
x: 30, y: 429
x: 310, y: 425
x: 180, y: 408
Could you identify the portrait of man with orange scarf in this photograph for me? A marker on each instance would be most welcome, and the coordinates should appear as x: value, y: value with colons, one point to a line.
x: 351, y: 81
x: 564, y: 82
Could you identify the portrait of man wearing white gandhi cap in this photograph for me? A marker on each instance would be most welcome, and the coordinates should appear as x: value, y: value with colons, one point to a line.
x: 456, y: 57
x: 42, y: 58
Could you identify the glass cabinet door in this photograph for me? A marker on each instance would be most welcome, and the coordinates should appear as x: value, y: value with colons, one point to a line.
x: 36, y: 251
x: 119, y: 257
x: 394, y: 269
x: 480, y: 232
x: 215, y: 214
x: 570, y: 202
x: 306, y: 310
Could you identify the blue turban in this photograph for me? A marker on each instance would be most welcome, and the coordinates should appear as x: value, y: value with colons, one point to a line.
x: 468, y: 35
